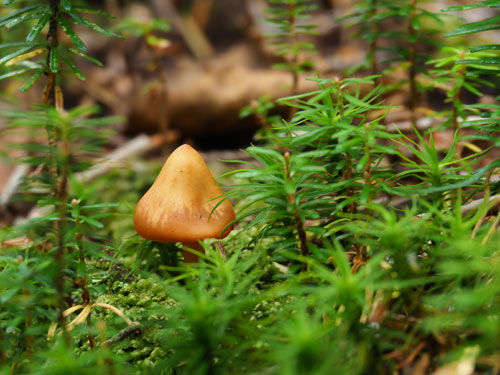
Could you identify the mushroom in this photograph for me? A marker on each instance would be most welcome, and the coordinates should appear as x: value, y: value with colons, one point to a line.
x: 179, y: 206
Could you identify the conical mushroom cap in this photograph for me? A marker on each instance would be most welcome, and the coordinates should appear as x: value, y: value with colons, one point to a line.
x: 177, y: 207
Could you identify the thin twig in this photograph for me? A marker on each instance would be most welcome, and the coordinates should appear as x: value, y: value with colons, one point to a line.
x: 475, y: 204
x: 135, y: 147
x: 133, y: 329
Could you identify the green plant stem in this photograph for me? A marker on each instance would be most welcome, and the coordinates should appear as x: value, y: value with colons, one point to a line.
x: 60, y: 178
x: 52, y: 42
x: 49, y: 91
x: 29, y: 340
x: 347, y: 176
x: 299, y: 225
x: 348, y: 167
x: 338, y: 96
x: 60, y: 189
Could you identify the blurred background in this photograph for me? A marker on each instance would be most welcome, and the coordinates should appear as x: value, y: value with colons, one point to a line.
x: 186, y: 68
x: 191, y: 65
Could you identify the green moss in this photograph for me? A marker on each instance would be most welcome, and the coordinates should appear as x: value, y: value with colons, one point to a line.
x: 144, y: 301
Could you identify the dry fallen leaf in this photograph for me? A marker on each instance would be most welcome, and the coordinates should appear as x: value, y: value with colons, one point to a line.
x: 17, y: 242
x: 464, y: 366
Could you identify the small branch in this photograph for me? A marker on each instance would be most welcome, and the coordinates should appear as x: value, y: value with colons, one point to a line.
x: 49, y: 91
x: 421, y: 124
x: 133, y: 329
x: 304, y: 249
x: 407, y: 126
x: 466, y: 208
x: 133, y: 148
x: 478, y: 202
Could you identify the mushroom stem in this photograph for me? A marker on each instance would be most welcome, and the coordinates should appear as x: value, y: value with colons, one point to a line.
x: 190, y: 257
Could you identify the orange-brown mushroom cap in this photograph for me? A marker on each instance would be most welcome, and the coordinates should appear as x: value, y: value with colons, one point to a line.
x: 178, y: 206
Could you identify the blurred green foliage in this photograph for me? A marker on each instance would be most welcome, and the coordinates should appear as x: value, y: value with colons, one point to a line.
x: 354, y: 250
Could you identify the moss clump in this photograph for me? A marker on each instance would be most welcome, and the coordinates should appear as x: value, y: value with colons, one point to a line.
x: 141, y: 300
